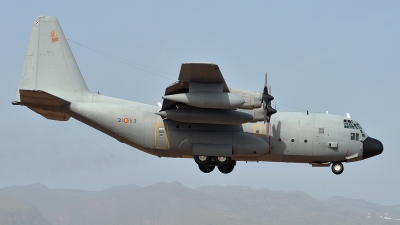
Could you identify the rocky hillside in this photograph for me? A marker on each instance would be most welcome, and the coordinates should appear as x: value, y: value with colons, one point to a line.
x: 16, y: 212
x: 164, y: 204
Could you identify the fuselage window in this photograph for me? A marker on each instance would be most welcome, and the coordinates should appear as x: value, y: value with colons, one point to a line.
x: 161, y: 131
x: 353, y: 136
x: 357, y: 136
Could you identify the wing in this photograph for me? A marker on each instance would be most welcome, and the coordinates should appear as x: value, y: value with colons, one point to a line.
x: 202, y: 96
x: 200, y: 77
x: 205, y: 73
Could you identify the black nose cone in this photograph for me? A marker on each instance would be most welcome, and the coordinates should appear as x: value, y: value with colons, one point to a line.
x: 371, y: 147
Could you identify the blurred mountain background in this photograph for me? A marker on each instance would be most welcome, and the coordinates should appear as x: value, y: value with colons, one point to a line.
x: 173, y: 203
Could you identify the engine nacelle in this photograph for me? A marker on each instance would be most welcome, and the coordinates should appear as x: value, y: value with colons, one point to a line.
x: 253, y: 99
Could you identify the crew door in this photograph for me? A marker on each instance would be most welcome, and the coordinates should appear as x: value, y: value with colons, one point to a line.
x: 161, y: 135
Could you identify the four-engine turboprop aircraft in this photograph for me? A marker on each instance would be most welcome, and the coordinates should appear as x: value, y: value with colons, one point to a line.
x: 200, y: 117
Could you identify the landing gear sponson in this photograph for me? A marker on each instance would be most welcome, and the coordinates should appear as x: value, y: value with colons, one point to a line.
x: 208, y: 163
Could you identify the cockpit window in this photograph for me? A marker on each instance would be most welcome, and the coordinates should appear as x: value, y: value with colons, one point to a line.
x: 351, y: 124
x: 355, y: 136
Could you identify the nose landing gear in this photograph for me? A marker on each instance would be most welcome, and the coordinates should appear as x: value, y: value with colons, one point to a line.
x: 337, y: 168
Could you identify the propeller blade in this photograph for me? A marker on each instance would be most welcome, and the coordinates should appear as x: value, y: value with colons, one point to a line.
x: 265, y: 115
x: 271, y: 111
x: 267, y: 98
x: 266, y: 80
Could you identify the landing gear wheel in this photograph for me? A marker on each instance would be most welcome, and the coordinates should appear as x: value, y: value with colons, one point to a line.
x: 206, y: 168
x: 337, y: 168
x: 222, y: 161
x: 228, y: 168
x: 202, y: 160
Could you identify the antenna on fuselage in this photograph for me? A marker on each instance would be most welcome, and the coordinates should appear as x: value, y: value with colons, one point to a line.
x: 348, y: 115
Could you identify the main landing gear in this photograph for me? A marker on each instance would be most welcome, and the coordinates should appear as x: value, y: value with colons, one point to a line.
x: 208, y: 163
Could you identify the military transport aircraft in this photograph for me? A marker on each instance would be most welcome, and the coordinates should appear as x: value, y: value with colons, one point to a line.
x: 200, y: 117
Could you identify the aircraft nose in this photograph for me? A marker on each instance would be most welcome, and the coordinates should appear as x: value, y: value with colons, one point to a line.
x: 371, y: 147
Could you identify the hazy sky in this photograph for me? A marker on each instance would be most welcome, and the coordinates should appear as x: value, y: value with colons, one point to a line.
x: 341, y: 56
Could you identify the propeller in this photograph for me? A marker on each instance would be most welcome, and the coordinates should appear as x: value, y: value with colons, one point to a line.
x: 267, y: 98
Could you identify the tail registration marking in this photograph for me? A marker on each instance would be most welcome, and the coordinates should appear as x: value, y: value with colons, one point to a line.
x: 54, y: 36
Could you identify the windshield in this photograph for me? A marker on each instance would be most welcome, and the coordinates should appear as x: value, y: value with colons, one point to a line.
x: 351, y: 124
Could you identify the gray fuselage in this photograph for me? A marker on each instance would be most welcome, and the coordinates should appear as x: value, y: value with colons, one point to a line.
x: 295, y: 137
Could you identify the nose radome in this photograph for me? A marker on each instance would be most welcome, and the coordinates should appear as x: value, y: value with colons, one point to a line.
x: 371, y: 147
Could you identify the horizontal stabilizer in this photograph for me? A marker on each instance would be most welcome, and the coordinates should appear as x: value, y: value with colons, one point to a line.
x: 29, y: 97
x: 43, y: 103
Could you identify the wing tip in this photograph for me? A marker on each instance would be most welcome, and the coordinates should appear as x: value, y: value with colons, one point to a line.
x: 200, y: 62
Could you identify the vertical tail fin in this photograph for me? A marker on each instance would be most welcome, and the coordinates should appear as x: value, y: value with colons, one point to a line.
x: 49, y: 64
